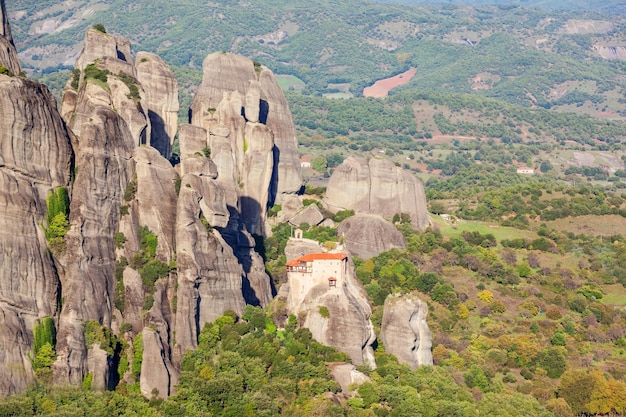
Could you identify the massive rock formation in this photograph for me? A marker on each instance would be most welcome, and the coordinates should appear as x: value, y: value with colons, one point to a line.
x: 35, y: 157
x: 404, y: 331
x: 152, y: 251
x: 103, y: 159
x: 260, y: 100
x: 367, y: 235
x: 8, y: 54
x: 377, y: 186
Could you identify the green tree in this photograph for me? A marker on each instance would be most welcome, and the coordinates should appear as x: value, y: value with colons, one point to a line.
x: 319, y: 164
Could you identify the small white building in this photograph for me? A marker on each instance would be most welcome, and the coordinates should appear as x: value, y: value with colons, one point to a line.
x: 525, y: 170
x: 308, y: 271
x: 305, y: 162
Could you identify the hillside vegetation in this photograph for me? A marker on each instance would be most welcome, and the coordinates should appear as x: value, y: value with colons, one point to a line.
x: 493, y: 51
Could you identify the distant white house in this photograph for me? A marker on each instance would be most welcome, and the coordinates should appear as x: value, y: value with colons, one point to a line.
x: 305, y: 162
x: 525, y: 170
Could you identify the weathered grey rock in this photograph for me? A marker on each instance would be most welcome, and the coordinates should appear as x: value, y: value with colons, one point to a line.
x: 133, y: 111
x: 104, y: 161
x: 310, y: 215
x: 377, y: 186
x: 222, y: 72
x: 5, y: 28
x: 257, y: 175
x: 8, y: 54
x: 98, y: 364
x: 288, y: 179
x: 252, y: 103
x: 161, y: 99
x: 404, y: 331
x: 193, y: 139
x: 226, y: 73
x: 290, y: 205
x: 156, y: 198
x: 155, y: 375
x: 209, y: 275
x: 35, y: 157
x: 134, y: 296
x: 296, y: 248
x: 347, y: 375
x: 100, y: 46
x: 367, y: 235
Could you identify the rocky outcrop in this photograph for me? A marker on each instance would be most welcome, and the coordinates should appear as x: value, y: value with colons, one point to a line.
x: 337, y: 315
x: 152, y: 251
x: 155, y: 379
x: 377, y: 186
x: 404, y: 331
x: 288, y: 177
x: 8, y: 54
x: 161, y: 98
x: 367, y: 235
x: 35, y: 157
x: 296, y: 248
x: 612, y: 52
x: 254, y: 93
x: 209, y: 274
x: 156, y: 198
x: 347, y: 376
x: 310, y: 215
x: 103, y: 47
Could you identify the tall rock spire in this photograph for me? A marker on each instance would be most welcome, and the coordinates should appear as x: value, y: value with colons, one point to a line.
x: 8, y: 54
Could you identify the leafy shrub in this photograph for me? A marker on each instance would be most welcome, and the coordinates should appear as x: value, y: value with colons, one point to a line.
x: 131, y: 83
x: 99, y: 27
x: 97, y: 333
x: 5, y: 71
x: 75, y: 78
x: 93, y: 72
x: 129, y: 192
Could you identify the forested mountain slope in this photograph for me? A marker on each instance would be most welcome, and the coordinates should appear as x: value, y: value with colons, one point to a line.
x: 497, y: 51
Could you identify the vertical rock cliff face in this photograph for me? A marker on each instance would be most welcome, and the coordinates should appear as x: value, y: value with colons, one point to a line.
x: 103, y: 171
x: 8, y: 54
x: 404, y: 330
x: 259, y: 100
x: 209, y: 275
x: 151, y: 250
x: 161, y: 96
x: 35, y: 157
x: 377, y: 186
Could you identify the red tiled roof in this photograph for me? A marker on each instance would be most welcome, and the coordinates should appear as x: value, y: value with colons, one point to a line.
x: 322, y: 257
x: 318, y: 257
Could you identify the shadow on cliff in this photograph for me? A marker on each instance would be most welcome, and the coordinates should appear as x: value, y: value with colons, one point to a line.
x: 273, y: 190
x: 158, y: 136
x: 264, y: 110
x: 244, y: 243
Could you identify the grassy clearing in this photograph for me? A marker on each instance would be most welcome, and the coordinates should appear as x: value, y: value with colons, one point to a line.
x: 614, y: 295
x: 499, y: 232
x: 607, y: 225
x: 290, y: 83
